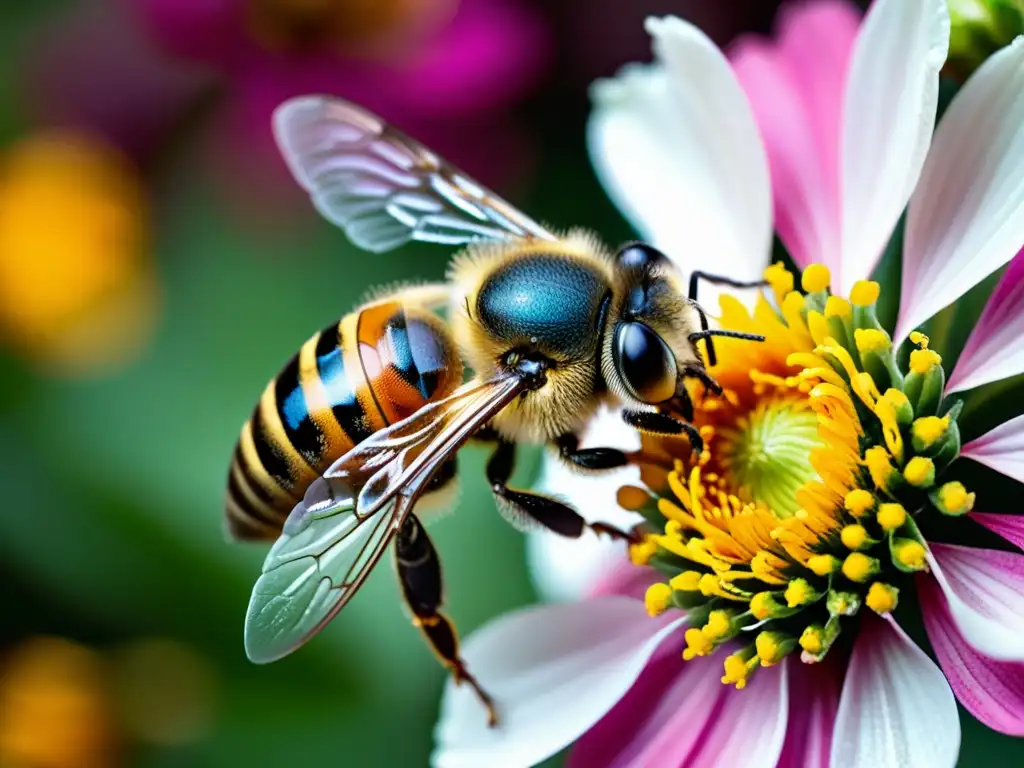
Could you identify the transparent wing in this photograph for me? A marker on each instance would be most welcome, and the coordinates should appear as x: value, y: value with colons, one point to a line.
x: 338, y: 532
x: 384, y: 188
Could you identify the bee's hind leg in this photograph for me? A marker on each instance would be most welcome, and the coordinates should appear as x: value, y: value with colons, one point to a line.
x: 589, y: 458
x: 419, y: 571
x: 526, y: 510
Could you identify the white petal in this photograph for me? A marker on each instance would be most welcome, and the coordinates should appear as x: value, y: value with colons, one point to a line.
x: 896, y: 709
x: 677, y: 149
x: 554, y: 671
x: 985, y: 592
x: 566, y: 569
x: 888, y: 114
x: 1001, y: 449
x: 967, y: 217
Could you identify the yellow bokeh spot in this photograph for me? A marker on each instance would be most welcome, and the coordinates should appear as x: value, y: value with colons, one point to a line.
x: 854, y: 536
x: 882, y: 598
x: 859, y: 502
x: 657, y: 598
x: 891, y: 516
x: 923, y: 360
x: 815, y: 278
x: 910, y: 554
x: 871, y: 340
x: 858, y: 567
x: 920, y: 471
x: 865, y: 293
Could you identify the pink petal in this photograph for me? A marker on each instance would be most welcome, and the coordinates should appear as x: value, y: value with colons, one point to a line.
x: 795, y: 86
x: 679, y: 713
x: 624, y: 578
x: 896, y: 708
x: 814, y: 700
x: 985, y: 592
x: 995, y: 348
x: 1010, y: 527
x: 992, y: 691
x: 1001, y: 449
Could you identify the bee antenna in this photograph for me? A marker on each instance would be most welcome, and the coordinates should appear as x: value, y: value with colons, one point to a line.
x: 696, y: 335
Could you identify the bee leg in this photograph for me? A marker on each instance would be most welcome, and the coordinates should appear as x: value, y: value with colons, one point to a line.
x: 589, y: 458
x: 681, y: 402
x: 663, y: 424
x: 525, y: 510
x: 705, y: 378
x: 715, y: 280
x: 419, y: 572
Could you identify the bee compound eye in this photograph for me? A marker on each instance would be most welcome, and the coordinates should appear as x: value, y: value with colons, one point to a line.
x: 639, y: 255
x: 644, y: 362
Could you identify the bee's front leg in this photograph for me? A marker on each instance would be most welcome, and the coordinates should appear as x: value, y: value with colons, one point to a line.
x: 419, y: 571
x: 568, y: 446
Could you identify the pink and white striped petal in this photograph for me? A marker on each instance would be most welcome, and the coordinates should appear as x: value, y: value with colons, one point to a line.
x: 896, y: 707
x: 1010, y: 527
x: 992, y: 691
x: 984, y: 589
x: 681, y: 714
x: 814, y: 700
x: 995, y: 348
x: 795, y: 86
x: 966, y: 219
x: 1001, y: 449
x: 676, y: 147
x: 554, y: 671
x: 888, y: 114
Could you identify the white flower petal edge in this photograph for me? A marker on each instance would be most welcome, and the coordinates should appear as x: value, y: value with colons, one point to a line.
x: 888, y: 115
x: 896, y: 709
x: 565, y: 569
x: 554, y: 671
x: 677, y: 149
x: 985, y: 592
x: 1001, y: 449
x: 967, y: 218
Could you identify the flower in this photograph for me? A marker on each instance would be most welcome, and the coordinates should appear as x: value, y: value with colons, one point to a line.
x: 783, y: 558
x: 77, y: 291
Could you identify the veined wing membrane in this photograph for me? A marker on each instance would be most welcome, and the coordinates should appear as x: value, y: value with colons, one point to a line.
x: 384, y: 188
x: 338, y: 532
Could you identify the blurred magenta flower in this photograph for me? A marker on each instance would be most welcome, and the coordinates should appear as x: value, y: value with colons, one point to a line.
x: 444, y: 71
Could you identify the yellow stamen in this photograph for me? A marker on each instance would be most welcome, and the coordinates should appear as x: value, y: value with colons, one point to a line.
x: 772, y: 647
x: 909, y: 554
x: 697, y: 644
x: 657, y: 598
x: 918, y: 338
x: 891, y: 516
x: 953, y: 499
x: 813, y: 639
x: 800, y: 592
x: 859, y: 502
x: 642, y: 552
x: 708, y: 585
x: 920, y: 472
x: 882, y: 598
x: 763, y: 605
x: 858, y: 567
x: 815, y: 278
x: 922, y: 360
x: 877, y: 459
x: 738, y: 667
x: 719, y: 626
x: 836, y: 306
x: 780, y: 279
x: 871, y: 340
x: 900, y: 405
x: 929, y: 429
x: 687, y: 581
x: 823, y: 565
x: 865, y: 293
x: 854, y: 536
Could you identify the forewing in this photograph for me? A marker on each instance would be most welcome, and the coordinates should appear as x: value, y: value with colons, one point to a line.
x: 384, y: 188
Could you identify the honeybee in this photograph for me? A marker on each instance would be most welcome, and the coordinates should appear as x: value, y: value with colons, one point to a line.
x: 355, y: 440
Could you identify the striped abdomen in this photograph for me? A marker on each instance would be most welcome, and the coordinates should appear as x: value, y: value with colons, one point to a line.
x: 374, y: 367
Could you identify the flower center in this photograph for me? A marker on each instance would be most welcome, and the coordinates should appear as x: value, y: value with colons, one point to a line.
x: 766, y: 452
x: 820, y: 455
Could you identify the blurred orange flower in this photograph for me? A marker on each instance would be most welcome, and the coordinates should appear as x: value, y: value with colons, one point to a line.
x: 55, y: 709
x: 76, y: 285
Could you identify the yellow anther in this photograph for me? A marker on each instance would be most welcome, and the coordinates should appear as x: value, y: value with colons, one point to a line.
x: 842, y: 603
x: 719, y: 626
x: 923, y: 360
x: 859, y: 567
x: 632, y: 498
x: 812, y: 639
x: 780, y: 279
x: 837, y: 306
x: 697, y: 644
x: 859, y: 502
x: 882, y: 598
x: 763, y: 606
x: 891, y: 516
x: 928, y: 429
x: 953, y: 499
x: 865, y: 293
x: 918, y: 338
x: 642, y: 552
x: 854, y: 536
x: 738, y: 668
x: 823, y: 565
x: 708, y: 584
x: 800, y: 592
x: 898, y: 402
x: 687, y: 581
x: 815, y: 278
x: 772, y: 647
x: 909, y: 554
x: 657, y: 598
x: 881, y: 470
x: 871, y: 340
x: 920, y: 472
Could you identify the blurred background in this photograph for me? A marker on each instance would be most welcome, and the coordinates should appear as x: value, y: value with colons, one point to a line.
x: 157, y: 267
